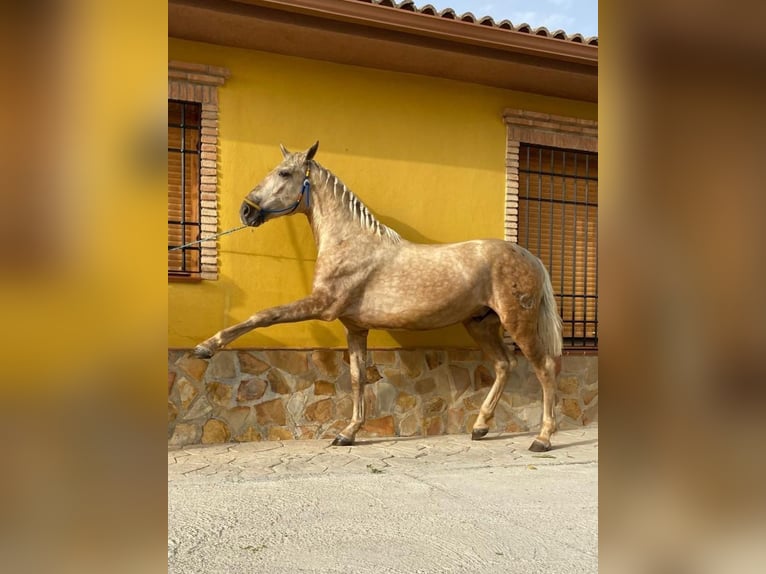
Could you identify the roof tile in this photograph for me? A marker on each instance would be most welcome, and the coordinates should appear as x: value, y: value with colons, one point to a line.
x: 446, y: 13
x: 469, y: 18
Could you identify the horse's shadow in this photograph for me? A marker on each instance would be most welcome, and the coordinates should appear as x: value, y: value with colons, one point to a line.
x: 406, y: 231
x: 384, y: 439
x: 497, y: 437
x: 554, y: 446
x: 578, y: 443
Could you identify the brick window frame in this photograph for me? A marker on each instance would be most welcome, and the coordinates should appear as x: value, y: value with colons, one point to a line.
x: 535, y: 128
x: 191, y: 82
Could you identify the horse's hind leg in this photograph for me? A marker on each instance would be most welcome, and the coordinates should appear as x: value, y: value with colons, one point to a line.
x: 357, y: 351
x: 486, y: 332
x: 545, y: 369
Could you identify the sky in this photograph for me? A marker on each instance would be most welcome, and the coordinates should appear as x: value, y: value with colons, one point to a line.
x: 572, y: 16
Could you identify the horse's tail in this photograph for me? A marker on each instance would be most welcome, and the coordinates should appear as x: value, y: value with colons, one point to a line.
x: 548, y: 321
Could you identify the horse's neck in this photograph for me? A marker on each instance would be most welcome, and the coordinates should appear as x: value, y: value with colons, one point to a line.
x: 338, y: 215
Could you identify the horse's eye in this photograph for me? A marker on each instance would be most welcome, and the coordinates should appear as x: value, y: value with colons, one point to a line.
x: 284, y: 173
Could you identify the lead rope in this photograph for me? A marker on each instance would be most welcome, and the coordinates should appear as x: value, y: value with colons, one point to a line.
x: 207, y: 238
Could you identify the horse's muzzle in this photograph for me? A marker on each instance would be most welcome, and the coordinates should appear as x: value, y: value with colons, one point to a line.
x: 250, y: 215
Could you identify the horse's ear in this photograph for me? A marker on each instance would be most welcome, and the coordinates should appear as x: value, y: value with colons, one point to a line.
x: 312, y: 151
x: 285, y: 151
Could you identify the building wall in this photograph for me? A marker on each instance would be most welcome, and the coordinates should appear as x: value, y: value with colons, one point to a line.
x: 426, y: 155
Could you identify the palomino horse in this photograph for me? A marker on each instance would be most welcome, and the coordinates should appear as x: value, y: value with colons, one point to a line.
x: 369, y: 277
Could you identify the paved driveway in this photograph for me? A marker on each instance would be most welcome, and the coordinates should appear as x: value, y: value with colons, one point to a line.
x: 436, y: 504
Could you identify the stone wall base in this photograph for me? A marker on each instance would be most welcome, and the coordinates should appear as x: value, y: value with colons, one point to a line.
x: 253, y: 395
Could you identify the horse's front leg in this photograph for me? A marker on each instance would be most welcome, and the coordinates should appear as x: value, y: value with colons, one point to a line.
x: 311, y: 307
x: 357, y: 351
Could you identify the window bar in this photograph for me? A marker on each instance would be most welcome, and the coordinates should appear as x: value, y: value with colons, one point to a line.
x: 198, y: 152
x: 559, y: 201
x: 595, y: 270
x: 574, y: 256
x: 539, y: 201
x: 563, y: 225
x: 545, y: 172
x: 550, y: 234
x: 183, y: 185
x: 526, y: 201
x: 585, y: 263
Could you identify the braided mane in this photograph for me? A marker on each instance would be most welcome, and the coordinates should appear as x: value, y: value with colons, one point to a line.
x: 354, y: 206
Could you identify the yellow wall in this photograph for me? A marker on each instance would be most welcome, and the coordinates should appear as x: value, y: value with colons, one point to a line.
x: 425, y: 155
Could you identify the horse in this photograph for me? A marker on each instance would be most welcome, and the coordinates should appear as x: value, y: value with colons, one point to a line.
x: 369, y: 277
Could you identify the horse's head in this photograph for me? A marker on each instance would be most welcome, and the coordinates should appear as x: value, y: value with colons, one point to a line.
x: 283, y: 191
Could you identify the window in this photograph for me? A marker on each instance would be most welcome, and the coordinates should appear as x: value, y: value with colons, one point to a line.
x: 558, y: 216
x: 552, y: 210
x: 183, y: 186
x: 193, y: 169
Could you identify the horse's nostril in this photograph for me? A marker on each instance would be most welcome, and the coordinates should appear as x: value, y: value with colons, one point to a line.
x: 245, y: 213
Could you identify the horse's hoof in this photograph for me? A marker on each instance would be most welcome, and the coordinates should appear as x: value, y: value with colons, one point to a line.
x: 341, y: 440
x: 202, y: 352
x: 477, y: 434
x: 539, y: 446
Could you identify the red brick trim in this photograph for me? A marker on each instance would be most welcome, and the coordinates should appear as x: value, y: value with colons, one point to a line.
x: 539, y: 129
x: 199, y: 83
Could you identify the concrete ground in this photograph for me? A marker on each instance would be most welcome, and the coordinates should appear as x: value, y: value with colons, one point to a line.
x: 409, y: 505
